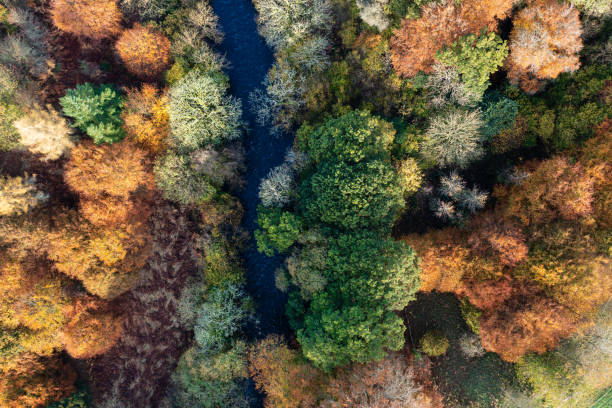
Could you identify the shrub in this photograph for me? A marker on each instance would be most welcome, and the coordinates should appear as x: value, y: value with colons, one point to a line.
x: 96, y: 111
x: 544, y: 42
x: 471, y: 314
x: 452, y: 138
x: 144, y: 52
x: 179, y: 182
x: 96, y: 19
x: 201, y: 113
x: 9, y: 113
x: 19, y: 195
x: 278, y: 230
x: 145, y: 118
x: 475, y: 58
x: 46, y: 133
x: 434, y: 343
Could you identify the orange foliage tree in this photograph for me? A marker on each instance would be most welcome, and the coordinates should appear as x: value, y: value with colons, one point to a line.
x: 112, y: 181
x: 522, y: 325
x: 144, y: 52
x: 36, y: 382
x: 145, y: 118
x: 415, y: 43
x: 496, y: 237
x: 287, y: 380
x: 96, y: 19
x: 107, y: 248
x: 93, y: 329
x: 105, y: 259
x: 554, y: 189
x: 544, y: 42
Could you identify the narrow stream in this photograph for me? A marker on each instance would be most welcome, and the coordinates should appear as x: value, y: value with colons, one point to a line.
x: 250, y: 59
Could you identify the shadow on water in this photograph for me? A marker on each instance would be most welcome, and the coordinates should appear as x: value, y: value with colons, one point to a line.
x: 250, y: 59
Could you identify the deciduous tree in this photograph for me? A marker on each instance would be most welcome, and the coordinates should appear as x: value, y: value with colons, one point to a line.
x: 280, y: 372
x: 144, y: 52
x: 145, y: 118
x: 544, y: 42
x: 95, y: 19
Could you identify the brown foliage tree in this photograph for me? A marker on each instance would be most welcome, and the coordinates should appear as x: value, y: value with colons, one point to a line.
x: 544, y: 42
x: 389, y: 383
x: 36, y: 382
x: 288, y: 381
x: 554, y: 189
x: 145, y: 118
x: 95, y: 19
x: 415, y: 43
x: 144, y: 52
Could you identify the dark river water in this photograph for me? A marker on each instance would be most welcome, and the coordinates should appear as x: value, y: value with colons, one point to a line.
x: 250, y: 59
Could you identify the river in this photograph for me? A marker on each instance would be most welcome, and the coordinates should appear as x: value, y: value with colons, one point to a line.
x: 250, y: 59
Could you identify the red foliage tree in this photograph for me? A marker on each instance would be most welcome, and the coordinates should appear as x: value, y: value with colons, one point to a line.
x: 544, y: 42
x: 96, y: 19
x: 144, y: 52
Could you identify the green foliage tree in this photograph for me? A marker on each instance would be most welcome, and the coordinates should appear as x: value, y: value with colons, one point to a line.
x: 77, y: 400
x: 498, y: 114
x: 9, y: 113
x: 475, y: 58
x: 363, y: 195
x: 201, y: 113
x: 352, y: 138
x: 96, y: 110
x: 352, y: 319
x: 278, y: 230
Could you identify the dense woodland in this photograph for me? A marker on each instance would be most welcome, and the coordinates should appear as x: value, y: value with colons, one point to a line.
x: 444, y: 214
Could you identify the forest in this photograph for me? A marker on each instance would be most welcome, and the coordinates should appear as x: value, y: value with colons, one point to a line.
x: 306, y: 203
